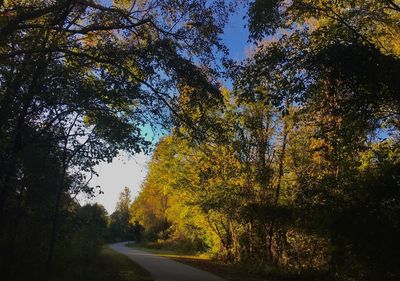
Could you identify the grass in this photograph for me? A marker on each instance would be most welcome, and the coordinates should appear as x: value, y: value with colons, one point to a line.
x: 113, y: 266
x: 167, y: 252
x: 109, y: 265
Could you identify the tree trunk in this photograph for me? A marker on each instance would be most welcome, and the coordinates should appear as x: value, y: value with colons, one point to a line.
x: 282, y: 156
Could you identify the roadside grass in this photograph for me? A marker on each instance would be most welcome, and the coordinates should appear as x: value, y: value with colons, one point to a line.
x: 167, y: 252
x: 113, y: 266
x: 248, y: 271
x: 109, y: 265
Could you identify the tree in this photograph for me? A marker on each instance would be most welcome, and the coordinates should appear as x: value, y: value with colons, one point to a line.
x: 115, y: 75
x: 92, y: 223
x: 283, y: 183
x: 329, y: 66
x: 81, y: 78
x: 120, y: 220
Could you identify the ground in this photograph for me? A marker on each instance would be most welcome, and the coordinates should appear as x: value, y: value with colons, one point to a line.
x: 118, y: 267
x: 109, y: 266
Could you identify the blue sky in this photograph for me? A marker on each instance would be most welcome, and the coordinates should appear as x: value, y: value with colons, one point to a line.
x: 131, y: 171
x: 236, y: 34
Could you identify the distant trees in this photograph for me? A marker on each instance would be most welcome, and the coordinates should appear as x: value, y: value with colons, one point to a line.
x: 161, y: 209
x: 121, y: 228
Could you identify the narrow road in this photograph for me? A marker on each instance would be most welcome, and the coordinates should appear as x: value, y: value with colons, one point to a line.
x: 163, y: 269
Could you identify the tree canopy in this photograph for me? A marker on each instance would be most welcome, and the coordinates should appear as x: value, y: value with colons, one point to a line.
x: 293, y: 169
x: 303, y: 175
x: 80, y: 80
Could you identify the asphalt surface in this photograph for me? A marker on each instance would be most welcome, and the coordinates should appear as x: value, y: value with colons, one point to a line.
x: 163, y: 269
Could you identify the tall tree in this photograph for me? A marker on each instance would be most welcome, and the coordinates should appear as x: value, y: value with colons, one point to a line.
x: 120, y: 220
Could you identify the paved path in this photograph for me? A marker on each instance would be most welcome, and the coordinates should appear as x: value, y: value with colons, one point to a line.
x: 163, y: 269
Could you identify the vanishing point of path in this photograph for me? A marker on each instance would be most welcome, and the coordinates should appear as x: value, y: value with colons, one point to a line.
x: 163, y: 269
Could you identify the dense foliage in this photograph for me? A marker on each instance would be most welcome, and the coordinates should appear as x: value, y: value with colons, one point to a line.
x: 304, y: 175
x: 295, y: 168
x: 79, y: 80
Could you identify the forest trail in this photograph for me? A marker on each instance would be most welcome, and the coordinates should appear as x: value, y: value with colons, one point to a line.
x: 163, y: 269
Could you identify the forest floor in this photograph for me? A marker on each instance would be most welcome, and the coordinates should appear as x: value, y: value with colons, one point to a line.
x: 230, y: 272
